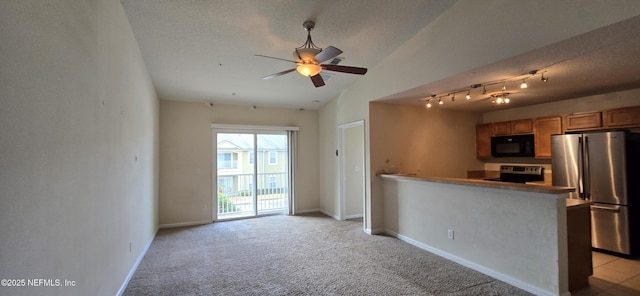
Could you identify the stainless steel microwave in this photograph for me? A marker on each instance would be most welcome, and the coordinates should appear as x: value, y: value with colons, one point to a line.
x: 512, y: 146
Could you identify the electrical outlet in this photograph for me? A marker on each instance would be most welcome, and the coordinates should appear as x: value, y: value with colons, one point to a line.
x: 130, y: 246
x: 450, y: 234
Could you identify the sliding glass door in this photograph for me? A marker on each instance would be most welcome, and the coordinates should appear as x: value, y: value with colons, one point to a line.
x: 252, y: 173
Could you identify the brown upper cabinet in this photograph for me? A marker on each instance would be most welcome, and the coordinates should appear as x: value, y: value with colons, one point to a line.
x: 583, y: 121
x: 524, y: 126
x: 514, y: 127
x: 622, y: 117
x: 483, y: 140
x: 544, y: 128
x: 501, y: 128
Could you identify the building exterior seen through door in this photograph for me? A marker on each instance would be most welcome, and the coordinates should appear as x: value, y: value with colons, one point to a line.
x: 252, y: 174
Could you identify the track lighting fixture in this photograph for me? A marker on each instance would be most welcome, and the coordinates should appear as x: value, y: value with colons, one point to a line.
x: 500, y: 97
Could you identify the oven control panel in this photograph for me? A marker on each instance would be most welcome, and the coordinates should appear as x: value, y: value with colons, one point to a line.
x: 521, y: 170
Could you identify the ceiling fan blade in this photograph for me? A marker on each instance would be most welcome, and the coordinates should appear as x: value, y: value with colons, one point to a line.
x: 327, y: 53
x: 344, y: 69
x: 317, y: 80
x: 274, y: 75
x: 264, y: 56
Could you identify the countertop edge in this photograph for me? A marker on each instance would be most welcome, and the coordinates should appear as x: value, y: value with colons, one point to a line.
x: 482, y: 183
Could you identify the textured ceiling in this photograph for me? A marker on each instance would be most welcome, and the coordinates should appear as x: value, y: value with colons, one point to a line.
x: 203, y: 51
x: 601, y: 61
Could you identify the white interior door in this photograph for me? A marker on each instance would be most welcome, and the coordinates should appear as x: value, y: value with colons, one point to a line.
x: 352, y: 171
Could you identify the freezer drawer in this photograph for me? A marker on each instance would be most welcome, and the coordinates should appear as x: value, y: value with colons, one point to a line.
x: 610, y: 228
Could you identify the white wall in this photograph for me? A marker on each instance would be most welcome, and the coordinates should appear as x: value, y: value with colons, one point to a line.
x: 186, y: 150
x: 442, y: 49
x: 78, y: 148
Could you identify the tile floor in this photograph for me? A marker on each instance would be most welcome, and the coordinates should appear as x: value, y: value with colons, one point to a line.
x: 613, y: 276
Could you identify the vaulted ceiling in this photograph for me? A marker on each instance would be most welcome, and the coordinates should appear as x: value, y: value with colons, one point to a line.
x: 204, y: 51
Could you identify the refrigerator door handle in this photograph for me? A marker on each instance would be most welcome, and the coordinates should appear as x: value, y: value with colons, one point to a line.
x: 580, y: 166
x: 614, y: 209
x: 585, y: 167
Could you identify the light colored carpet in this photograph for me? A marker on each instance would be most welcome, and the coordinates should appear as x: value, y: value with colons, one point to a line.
x: 298, y: 255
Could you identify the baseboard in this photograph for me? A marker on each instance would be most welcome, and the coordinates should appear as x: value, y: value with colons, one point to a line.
x: 181, y: 224
x: 336, y: 217
x: 133, y: 269
x: 353, y: 216
x: 307, y: 211
x: 374, y: 231
x: 485, y: 270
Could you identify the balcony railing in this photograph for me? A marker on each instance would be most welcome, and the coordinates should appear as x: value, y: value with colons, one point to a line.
x: 235, y: 193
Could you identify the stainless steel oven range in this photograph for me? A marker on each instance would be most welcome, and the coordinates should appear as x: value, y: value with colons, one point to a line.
x: 519, y: 174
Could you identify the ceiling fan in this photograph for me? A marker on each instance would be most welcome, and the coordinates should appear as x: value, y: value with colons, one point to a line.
x: 309, y: 58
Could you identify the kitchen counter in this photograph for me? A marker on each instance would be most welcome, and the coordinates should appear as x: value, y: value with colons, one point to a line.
x: 482, y: 183
x: 577, y: 203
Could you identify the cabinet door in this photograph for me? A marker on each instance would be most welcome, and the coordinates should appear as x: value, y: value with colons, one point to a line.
x: 583, y: 121
x: 544, y: 128
x: 483, y: 140
x: 524, y: 126
x: 502, y: 128
x: 622, y: 117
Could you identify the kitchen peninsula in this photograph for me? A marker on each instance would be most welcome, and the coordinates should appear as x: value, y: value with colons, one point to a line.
x: 516, y: 233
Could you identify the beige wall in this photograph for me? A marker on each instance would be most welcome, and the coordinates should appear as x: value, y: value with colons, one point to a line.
x: 78, y: 148
x: 441, y: 50
x: 186, y: 150
x: 329, y: 165
x: 433, y: 142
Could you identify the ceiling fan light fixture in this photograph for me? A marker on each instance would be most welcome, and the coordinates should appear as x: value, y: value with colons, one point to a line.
x: 305, y: 54
x: 308, y: 69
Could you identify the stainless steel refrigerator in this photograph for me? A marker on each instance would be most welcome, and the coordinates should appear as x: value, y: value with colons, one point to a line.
x: 604, y: 169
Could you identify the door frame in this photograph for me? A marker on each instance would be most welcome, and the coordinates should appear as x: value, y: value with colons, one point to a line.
x: 342, y: 168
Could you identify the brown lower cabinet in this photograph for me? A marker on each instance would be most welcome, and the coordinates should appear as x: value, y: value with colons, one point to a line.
x: 579, y: 246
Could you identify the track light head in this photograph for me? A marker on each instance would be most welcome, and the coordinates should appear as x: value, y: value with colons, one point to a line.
x: 523, y: 84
